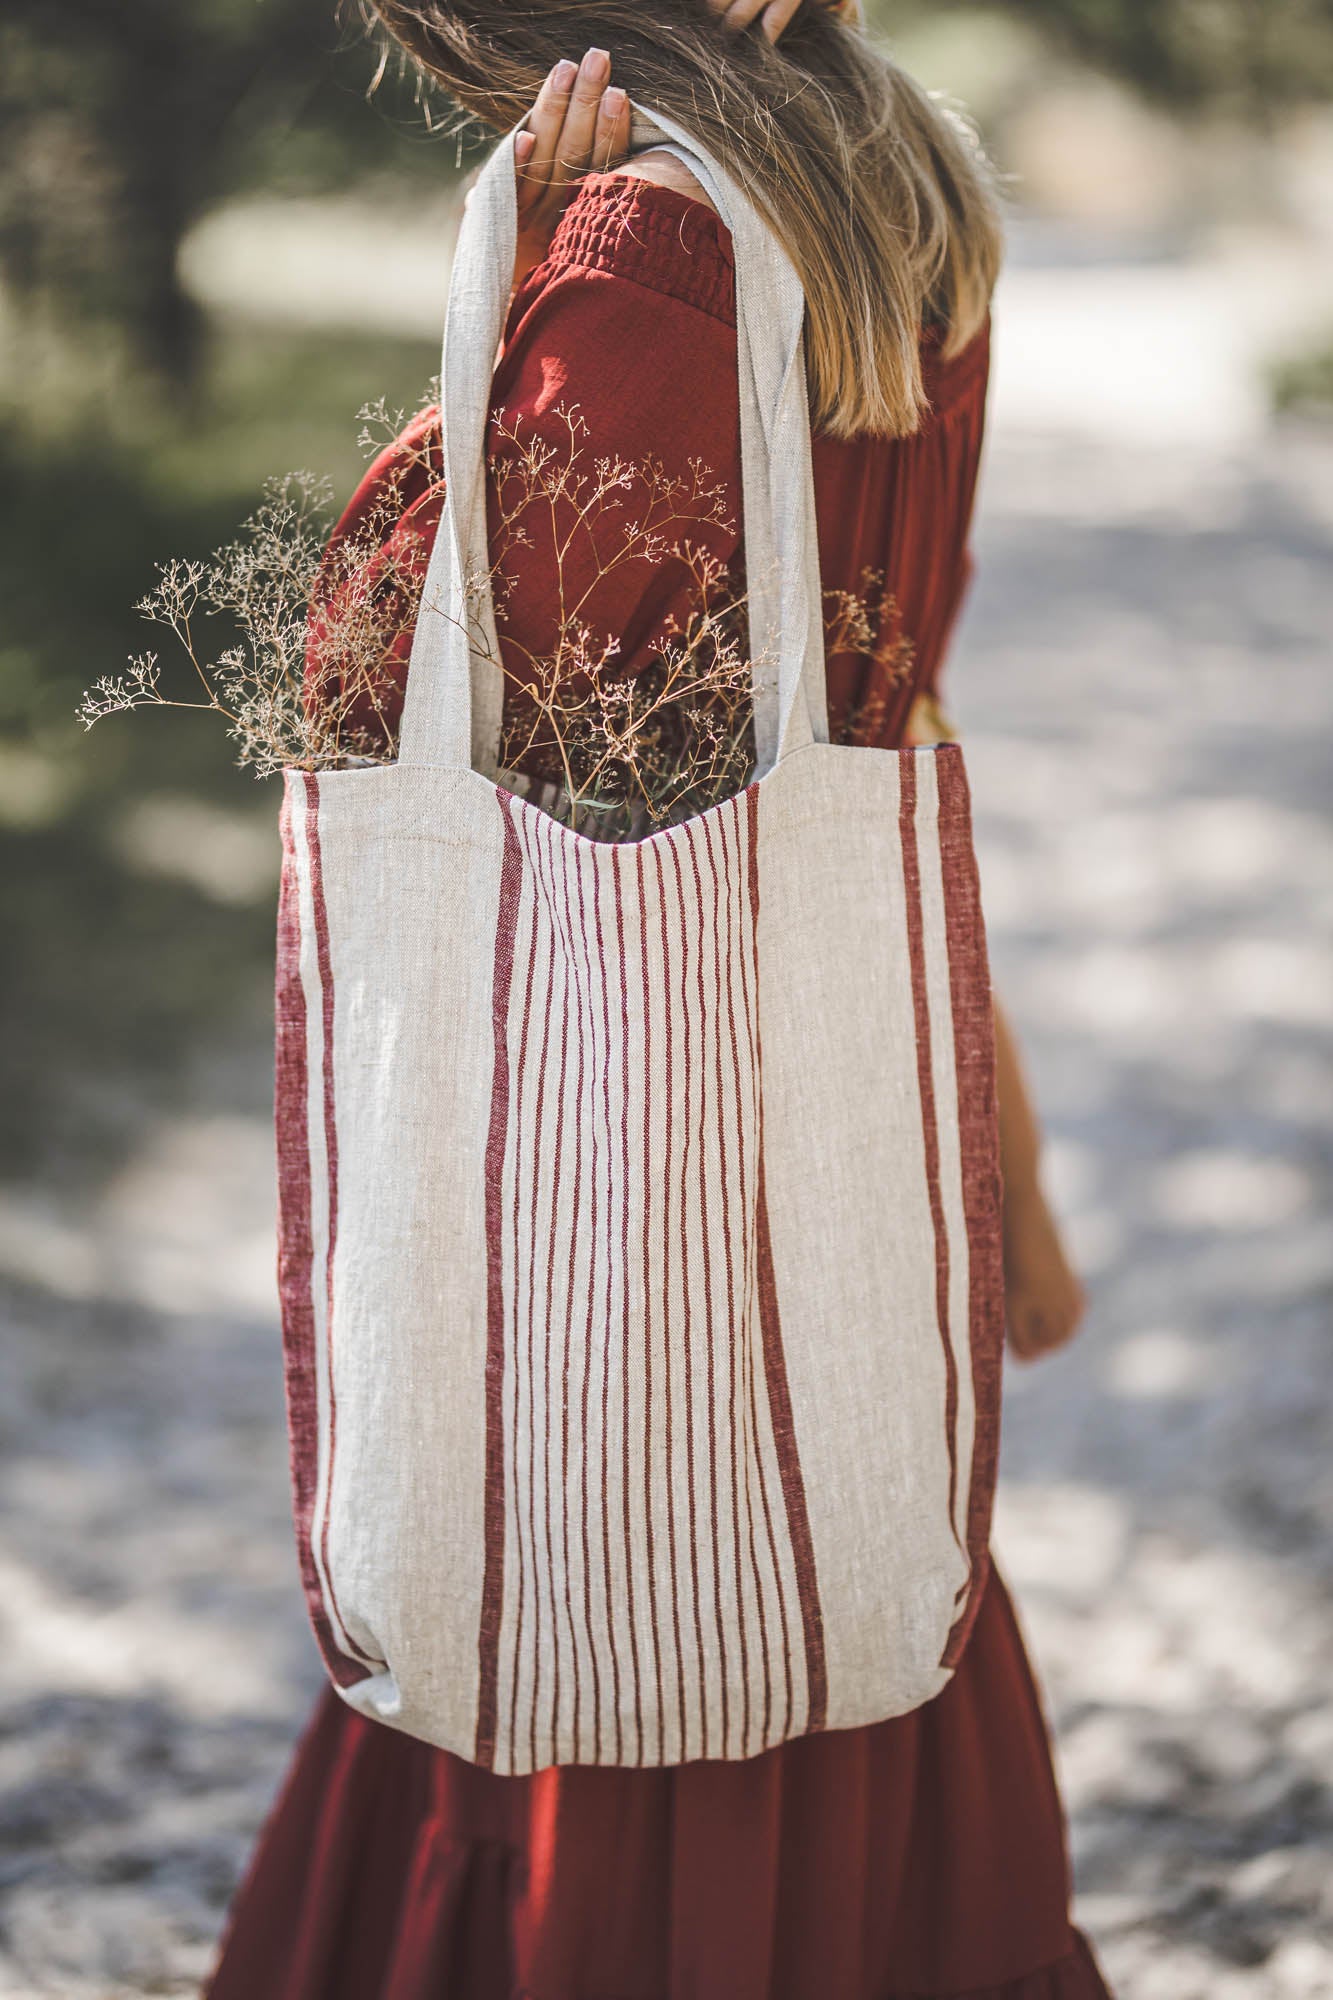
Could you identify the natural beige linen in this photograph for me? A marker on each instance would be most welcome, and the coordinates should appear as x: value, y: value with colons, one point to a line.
x: 639, y: 1202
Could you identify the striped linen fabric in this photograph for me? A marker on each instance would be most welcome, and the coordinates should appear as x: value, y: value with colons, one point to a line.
x: 702, y: 1455
x: 639, y: 1202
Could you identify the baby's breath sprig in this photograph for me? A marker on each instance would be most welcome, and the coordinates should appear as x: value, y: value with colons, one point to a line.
x: 317, y: 617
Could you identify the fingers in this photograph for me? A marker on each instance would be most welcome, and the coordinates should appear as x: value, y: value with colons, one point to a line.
x: 1026, y: 1334
x: 1043, y: 1312
x: 578, y: 123
x: 611, y: 139
x: 776, y: 17
x: 573, y: 155
x: 545, y: 123
x: 1032, y: 1334
x: 773, y: 15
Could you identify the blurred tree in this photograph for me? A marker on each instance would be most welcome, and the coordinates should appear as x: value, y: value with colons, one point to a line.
x: 121, y: 120
x: 1252, y: 57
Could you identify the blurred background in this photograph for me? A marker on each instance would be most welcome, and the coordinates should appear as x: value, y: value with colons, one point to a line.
x: 213, y: 249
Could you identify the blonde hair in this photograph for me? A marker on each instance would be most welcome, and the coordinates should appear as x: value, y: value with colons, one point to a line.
x: 881, y: 196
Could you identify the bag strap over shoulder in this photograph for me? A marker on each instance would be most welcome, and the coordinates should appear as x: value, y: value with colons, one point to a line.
x: 454, y: 699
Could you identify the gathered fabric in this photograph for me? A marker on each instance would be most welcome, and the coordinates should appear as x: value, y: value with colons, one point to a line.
x: 637, y: 273
x: 919, y: 1857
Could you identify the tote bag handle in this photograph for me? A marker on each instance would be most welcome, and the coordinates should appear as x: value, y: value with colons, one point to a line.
x: 453, y: 704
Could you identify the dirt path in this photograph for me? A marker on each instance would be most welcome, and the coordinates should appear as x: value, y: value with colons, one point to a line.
x: 1144, y: 682
x: 1145, y: 679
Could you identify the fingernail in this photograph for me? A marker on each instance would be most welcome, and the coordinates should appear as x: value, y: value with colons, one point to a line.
x: 595, y: 65
x: 562, y: 76
x: 613, y: 103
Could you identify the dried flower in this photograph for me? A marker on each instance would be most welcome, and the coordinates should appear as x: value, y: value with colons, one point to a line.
x: 611, y: 752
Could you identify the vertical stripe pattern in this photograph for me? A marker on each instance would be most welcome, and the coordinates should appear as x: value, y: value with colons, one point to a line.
x: 956, y: 1086
x: 308, y: 1209
x: 909, y: 834
x: 651, y: 1592
x: 634, y: 1376
x: 974, y: 1093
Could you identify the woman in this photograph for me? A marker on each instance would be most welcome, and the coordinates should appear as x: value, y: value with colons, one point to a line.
x: 923, y: 1856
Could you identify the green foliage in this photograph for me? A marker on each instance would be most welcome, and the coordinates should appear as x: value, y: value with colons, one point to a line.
x: 1246, y: 57
x: 121, y: 121
x: 1304, y: 381
x: 111, y: 975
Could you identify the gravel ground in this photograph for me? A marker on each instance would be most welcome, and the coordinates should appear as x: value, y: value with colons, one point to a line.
x: 1143, y: 680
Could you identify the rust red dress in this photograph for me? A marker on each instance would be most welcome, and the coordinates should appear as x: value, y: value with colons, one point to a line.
x: 924, y: 1856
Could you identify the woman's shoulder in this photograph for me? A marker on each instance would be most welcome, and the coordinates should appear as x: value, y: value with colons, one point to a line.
x: 664, y: 169
x: 644, y: 228
x: 653, y: 236
x: 650, y: 225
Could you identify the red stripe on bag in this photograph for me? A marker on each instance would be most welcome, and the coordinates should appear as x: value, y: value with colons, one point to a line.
x: 974, y: 1063
x: 784, y: 1430
x: 574, y: 986
x: 604, y: 1243
x: 520, y: 1074
x: 738, y: 1318
x: 540, y: 900
x: 750, y: 1288
x: 547, y: 843
x: 682, y: 929
x: 729, y: 1133
x: 296, y: 1251
x: 692, y: 837
x: 668, y: 1176
x: 737, y: 894
x: 324, y: 958
x: 584, y: 858
x: 492, y: 1589
x: 616, y: 873
x: 926, y: 1088
x: 640, y: 865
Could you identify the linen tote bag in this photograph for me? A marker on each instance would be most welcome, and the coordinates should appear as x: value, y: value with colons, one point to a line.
x: 639, y: 1202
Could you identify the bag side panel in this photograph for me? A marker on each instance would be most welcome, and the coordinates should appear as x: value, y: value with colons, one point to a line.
x: 303, y: 1203
x: 412, y: 891
x: 867, y: 1225
x: 973, y: 1031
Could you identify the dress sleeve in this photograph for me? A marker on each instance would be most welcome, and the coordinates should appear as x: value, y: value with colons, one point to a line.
x: 614, y: 475
x: 364, y: 605
x: 614, y: 461
x: 945, y: 461
x: 614, y: 468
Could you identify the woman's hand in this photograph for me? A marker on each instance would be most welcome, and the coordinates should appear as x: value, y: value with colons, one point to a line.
x: 579, y: 125
x: 775, y: 15
x: 1044, y: 1300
